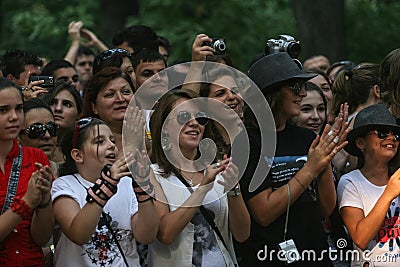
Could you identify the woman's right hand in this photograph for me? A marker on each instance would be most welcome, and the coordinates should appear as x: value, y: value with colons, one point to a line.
x: 393, y: 185
x: 120, y: 167
x: 212, y: 171
x: 33, y: 195
x: 200, y: 52
x: 323, y: 149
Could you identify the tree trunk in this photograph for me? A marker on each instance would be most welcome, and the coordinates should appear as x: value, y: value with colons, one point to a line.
x: 321, y: 28
x: 112, y: 17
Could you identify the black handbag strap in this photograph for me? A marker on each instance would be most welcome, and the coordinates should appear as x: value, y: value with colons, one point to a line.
x: 106, y: 221
x: 13, y: 181
x: 204, y: 211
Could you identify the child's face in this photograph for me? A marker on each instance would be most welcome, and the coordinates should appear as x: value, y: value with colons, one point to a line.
x: 11, y: 113
x: 99, y: 148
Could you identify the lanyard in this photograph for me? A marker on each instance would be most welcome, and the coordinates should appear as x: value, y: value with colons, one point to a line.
x: 287, y: 212
x: 13, y: 181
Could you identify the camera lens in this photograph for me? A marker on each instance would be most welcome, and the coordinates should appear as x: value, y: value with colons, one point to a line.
x: 219, y: 45
x: 293, y: 49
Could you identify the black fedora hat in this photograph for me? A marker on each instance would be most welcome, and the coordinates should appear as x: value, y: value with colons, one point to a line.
x: 275, y: 69
x: 370, y: 118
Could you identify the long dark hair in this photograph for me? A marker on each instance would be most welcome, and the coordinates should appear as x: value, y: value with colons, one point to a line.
x: 69, y: 165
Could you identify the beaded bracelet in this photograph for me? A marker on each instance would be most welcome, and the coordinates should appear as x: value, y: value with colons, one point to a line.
x: 20, y: 207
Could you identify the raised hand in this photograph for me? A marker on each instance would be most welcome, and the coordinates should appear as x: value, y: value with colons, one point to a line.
x: 212, y: 171
x: 393, y: 185
x: 44, y: 182
x: 33, y: 195
x: 32, y: 89
x: 120, y: 167
x: 133, y: 130
x: 199, y: 52
x: 324, y: 148
x: 74, y: 30
x: 230, y: 175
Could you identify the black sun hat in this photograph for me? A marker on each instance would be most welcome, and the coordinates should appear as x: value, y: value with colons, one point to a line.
x: 275, y: 69
x: 370, y: 118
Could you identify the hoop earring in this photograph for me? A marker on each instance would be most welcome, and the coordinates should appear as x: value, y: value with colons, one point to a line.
x: 165, y: 142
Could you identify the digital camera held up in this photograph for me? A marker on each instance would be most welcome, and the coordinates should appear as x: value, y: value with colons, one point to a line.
x: 285, y: 43
x: 218, y: 44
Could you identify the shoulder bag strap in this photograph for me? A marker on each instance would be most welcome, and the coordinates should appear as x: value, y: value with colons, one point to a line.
x: 204, y: 211
x: 13, y: 181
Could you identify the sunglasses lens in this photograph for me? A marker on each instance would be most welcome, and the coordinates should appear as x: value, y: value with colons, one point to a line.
x: 201, y: 118
x: 382, y: 134
x: 52, y: 128
x: 183, y: 117
x: 202, y: 121
x: 36, y: 131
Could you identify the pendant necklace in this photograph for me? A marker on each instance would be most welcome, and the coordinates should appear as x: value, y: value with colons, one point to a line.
x: 190, y: 181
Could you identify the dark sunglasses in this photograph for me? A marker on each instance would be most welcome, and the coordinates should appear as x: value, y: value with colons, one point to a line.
x: 296, y: 88
x: 184, y: 117
x: 38, y: 130
x: 384, y: 133
x: 82, y: 123
x: 109, y: 53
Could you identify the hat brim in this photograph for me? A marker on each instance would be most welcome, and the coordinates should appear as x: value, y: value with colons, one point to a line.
x: 351, y: 147
x: 302, y: 78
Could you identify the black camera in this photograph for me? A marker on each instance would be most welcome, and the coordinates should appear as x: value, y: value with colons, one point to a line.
x: 48, y: 81
x: 285, y: 43
x: 218, y: 44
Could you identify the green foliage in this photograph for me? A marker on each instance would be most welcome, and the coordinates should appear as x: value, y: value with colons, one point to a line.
x: 245, y: 25
x: 372, y: 27
x: 42, y: 27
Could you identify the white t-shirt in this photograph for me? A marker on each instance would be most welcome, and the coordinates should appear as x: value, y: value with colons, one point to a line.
x: 354, y: 190
x: 101, y: 250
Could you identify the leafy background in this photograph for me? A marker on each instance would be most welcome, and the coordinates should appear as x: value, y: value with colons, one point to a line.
x: 371, y: 26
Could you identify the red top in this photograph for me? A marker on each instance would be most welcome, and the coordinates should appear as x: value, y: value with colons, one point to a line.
x: 17, y: 249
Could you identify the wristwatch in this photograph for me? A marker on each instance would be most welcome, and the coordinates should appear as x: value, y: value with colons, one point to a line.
x: 234, y: 192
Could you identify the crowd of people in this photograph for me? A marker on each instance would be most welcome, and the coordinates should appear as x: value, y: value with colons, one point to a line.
x: 113, y: 157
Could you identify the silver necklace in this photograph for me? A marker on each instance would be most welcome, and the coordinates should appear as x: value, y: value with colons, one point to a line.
x: 190, y: 181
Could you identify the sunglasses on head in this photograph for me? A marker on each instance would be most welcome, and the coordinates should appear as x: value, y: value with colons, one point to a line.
x: 384, y: 133
x: 184, y: 117
x: 82, y: 123
x: 38, y: 130
x: 296, y: 88
x: 109, y: 53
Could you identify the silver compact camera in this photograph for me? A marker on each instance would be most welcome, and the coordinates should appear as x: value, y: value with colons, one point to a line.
x: 285, y: 43
x: 289, y: 251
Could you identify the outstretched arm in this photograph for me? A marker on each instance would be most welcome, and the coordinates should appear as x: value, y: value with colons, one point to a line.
x: 363, y: 229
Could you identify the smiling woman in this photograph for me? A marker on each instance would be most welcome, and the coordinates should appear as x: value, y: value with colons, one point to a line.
x: 313, y: 109
x: 368, y: 196
x: 198, y: 218
x: 107, y: 97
